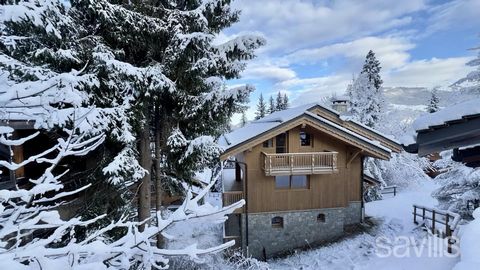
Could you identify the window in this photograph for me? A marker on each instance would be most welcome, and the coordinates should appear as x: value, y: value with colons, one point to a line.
x: 291, y: 182
x: 268, y: 143
x: 282, y: 181
x: 305, y: 139
x: 281, y: 143
x: 299, y: 181
x: 321, y: 218
x: 277, y: 222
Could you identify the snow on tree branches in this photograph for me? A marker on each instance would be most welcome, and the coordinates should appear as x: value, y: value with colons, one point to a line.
x: 367, y: 102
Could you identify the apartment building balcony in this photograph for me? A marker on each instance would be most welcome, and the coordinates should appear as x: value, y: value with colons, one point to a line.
x: 300, y: 163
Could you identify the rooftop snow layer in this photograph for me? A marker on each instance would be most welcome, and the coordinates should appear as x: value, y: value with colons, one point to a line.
x: 275, y: 119
x: 450, y: 113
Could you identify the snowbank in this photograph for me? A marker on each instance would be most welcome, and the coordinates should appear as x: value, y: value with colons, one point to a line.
x: 470, y: 244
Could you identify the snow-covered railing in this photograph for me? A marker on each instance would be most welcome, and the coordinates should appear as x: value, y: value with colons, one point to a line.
x: 299, y: 163
x: 440, y: 222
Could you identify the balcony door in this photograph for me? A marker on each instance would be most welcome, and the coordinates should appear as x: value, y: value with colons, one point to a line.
x: 281, y: 144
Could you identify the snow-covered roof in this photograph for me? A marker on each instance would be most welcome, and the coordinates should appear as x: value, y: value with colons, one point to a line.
x: 262, y: 125
x: 276, y: 119
x: 451, y: 113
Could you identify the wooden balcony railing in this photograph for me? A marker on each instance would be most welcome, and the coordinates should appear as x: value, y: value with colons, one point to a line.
x: 231, y: 197
x: 300, y: 163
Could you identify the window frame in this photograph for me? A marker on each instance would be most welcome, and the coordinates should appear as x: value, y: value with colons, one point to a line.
x: 308, y: 136
x: 306, y: 187
x: 268, y: 143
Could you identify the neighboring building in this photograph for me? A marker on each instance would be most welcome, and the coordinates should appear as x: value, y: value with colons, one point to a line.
x: 300, y: 171
x: 456, y: 127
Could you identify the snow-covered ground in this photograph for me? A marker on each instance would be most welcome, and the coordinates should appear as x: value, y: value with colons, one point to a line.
x: 394, y: 218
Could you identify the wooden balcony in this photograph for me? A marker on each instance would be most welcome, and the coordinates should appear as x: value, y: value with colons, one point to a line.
x: 300, y: 163
x: 231, y: 197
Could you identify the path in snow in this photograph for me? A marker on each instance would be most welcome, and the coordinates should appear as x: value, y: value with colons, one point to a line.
x: 358, y: 252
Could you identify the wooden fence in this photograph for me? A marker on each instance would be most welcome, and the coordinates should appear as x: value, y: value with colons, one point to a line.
x: 439, y: 222
x: 390, y: 190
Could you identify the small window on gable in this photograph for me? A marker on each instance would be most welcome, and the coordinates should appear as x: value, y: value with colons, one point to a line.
x: 268, y: 143
x: 321, y: 218
x: 277, y: 222
x: 305, y: 139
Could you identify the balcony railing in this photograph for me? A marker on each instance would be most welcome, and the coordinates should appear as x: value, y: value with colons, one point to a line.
x: 300, y: 163
x: 231, y: 197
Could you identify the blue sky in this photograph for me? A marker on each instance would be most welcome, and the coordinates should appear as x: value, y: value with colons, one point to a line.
x: 315, y: 47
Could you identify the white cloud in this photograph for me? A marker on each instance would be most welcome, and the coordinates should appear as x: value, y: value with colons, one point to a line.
x: 454, y: 14
x: 290, y: 25
x: 428, y: 73
x: 268, y: 71
x: 391, y: 51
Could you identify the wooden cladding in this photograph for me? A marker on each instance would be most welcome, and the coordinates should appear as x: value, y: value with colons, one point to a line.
x: 300, y: 163
x: 232, y: 197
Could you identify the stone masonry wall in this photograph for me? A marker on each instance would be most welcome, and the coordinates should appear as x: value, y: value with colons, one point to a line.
x: 300, y: 229
x: 353, y: 213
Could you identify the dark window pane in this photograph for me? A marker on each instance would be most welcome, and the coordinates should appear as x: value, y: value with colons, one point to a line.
x: 277, y: 222
x: 321, y: 218
x: 282, y: 181
x: 268, y: 143
x: 305, y: 139
x: 299, y: 181
x: 281, y: 143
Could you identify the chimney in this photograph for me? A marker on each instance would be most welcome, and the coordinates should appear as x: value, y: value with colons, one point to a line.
x: 340, y: 104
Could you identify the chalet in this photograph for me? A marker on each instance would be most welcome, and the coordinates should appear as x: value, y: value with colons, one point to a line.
x: 300, y: 172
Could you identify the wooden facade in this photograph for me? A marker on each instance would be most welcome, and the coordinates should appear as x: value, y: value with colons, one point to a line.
x: 327, y: 190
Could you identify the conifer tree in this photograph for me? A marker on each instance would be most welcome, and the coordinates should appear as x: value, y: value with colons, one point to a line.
x: 372, y: 69
x: 143, y: 68
x: 271, y: 105
x: 261, y: 108
x: 279, y: 102
x: 244, y: 119
x: 367, y: 102
x: 285, y: 102
x: 433, y: 103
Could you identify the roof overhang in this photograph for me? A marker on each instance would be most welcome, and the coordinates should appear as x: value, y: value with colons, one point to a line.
x: 323, y: 125
x: 450, y: 135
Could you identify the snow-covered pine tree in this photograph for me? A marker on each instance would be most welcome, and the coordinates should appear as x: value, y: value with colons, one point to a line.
x: 261, y: 108
x: 127, y: 65
x: 434, y: 100
x: 271, y: 105
x: 367, y: 101
x: 471, y: 83
x: 243, y: 120
x: 372, y: 68
x: 279, y: 102
x: 285, y: 102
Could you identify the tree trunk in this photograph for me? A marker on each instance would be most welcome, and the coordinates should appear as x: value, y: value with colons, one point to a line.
x: 144, y: 196
x: 158, y: 174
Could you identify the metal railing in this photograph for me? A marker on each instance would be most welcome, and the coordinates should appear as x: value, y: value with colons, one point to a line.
x: 299, y: 163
